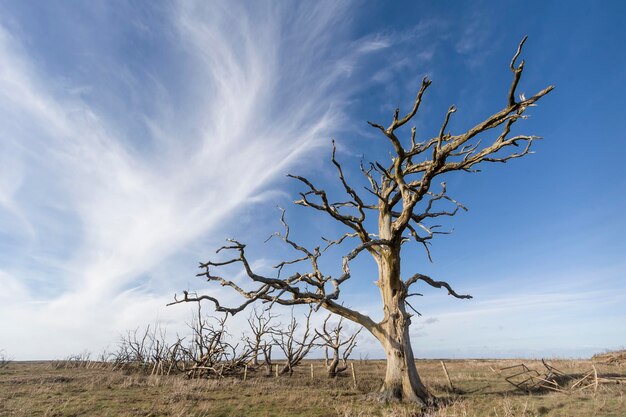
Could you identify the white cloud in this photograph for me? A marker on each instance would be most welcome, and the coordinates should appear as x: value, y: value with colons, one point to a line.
x: 266, y: 97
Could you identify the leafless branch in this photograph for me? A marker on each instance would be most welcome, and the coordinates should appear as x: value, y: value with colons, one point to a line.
x: 437, y: 284
x: 341, y: 347
x: 295, y: 347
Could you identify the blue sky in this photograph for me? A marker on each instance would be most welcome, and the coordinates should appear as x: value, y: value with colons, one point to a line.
x: 135, y: 137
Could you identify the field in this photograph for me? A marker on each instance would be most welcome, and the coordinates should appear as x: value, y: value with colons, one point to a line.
x: 43, y: 389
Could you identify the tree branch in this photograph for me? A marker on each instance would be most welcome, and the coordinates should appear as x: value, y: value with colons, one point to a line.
x: 436, y: 284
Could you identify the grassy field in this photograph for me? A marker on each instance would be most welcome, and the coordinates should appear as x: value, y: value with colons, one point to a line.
x: 40, y: 389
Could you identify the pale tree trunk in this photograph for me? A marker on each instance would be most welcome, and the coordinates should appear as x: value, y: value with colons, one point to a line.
x: 254, y: 361
x: 332, y: 367
x: 402, y: 381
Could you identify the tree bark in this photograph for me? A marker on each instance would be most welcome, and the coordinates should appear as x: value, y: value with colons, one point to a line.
x: 332, y: 367
x: 254, y: 361
x: 402, y: 381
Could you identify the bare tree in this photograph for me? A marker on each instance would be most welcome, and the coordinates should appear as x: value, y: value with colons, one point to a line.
x: 77, y: 360
x: 210, y: 353
x: 399, y: 196
x: 135, y: 348
x: 160, y: 351
x: 295, y: 347
x: 340, y: 346
x: 260, y: 326
x: 175, y: 359
x: 266, y: 348
x: 5, y: 360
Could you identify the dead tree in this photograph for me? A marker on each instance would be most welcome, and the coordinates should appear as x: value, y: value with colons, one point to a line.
x: 295, y: 347
x: 266, y: 347
x: 175, y: 357
x: 159, y: 352
x: 210, y: 353
x: 341, y: 347
x: 146, y: 350
x: 206, y: 348
x: 261, y: 327
x: 5, y: 360
x: 400, y: 196
x: 76, y: 360
x: 134, y: 349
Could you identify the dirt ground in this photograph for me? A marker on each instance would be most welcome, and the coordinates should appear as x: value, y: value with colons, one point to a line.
x: 43, y: 389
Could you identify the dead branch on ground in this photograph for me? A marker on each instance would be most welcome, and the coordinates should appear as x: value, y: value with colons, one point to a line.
x: 530, y: 380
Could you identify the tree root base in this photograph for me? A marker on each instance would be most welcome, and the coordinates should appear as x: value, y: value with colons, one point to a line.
x: 396, y: 396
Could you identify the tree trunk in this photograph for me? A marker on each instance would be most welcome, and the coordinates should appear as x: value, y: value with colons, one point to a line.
x: 332, y: 368
x: 287, y: 369
x: 255, y: 357
x: 402, y: 382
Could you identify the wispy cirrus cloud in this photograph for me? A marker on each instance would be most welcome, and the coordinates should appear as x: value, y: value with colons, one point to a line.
x: 98, y: 208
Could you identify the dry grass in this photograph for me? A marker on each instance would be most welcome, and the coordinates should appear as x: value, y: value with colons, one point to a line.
x: 616, y: 356
x: 38, y: 389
